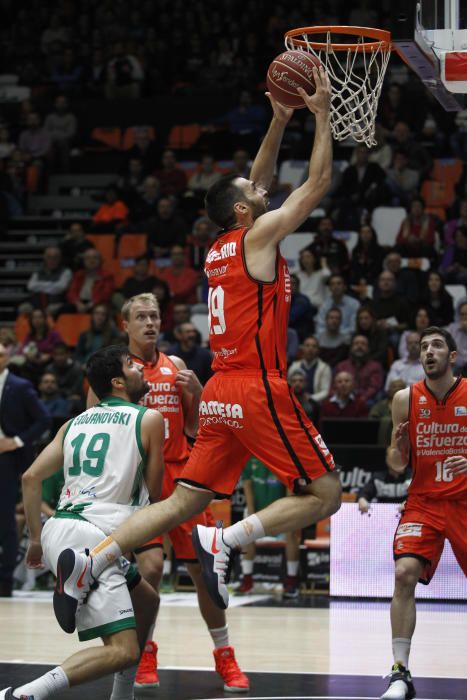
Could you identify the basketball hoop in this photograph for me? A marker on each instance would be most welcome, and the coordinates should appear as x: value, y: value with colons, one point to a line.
x: 356, y: 71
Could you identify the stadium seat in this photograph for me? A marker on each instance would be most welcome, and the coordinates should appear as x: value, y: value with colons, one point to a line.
x: 201, y: 323
x: 292, y: 245
x: 105, y: 244
x: 131, y: 245
x: 184, y: 135
x: 120, y: 272
x: 438, y: 193
x: 457, y: 291
x: 292, y: 172
x: 447, y: 170
x: 21, y: 327
x: 386, y: 221
x: 109, y: 137
x: 70, y: 326
x: 128, y: 139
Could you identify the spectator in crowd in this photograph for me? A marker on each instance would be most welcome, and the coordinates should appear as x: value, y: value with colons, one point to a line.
x: 131, y: 183
x: 195, y: 357
x: 334, y: 345
x: 19, y: 428
x: 199, y: 241
x: 458, y: 330
x: 172, y: 178
x: 410, y: 282
x: 312, y: 277
x: 166, y: 306
x: 101, y: 333
x: 246, y: 121
x: 416, y: 237
x: 344, y: 403
x: 7, y: 146
x: 145, y: 149
x: 35, y: 141
x: 367, y: 257
x: 141, y: 281
x: 437, y: 300
x: 453, y: 224
x: 241, y: 163
x: 330, y: 251
x: 340, y: 300
x: 391, y: 310
x: 9, y: 341
x: 168, y: 228
x: 419, y: 158
x: 67, y: 372
x: 74, y: 245
x: 382, y: 152
x: 297, y: 380
x: 401, y: 180
x: 48, y: 285
x: 409, y: 369
x: 454, y: 263
x: 381, y: 411
x: 91, y: 285
x: 293, y: 344
x: 277, y: 193
x: 204, y: 176
x: 318, y: 373
x: 367, y: 325
x: 362, y: 188
x: 124, y: 75
x: 38, y: 345
x: 387, y: 486
x: 112, y: 214
x: 55, y: 403
x: 53, y: 33
x: 61, y: 124
x: 183, y: 281
x: 144, y: 203
x: 301, y: 310
x: 368, y: 374
x: 68, y: 72
x: 181, y: 314
x: 95, y: 74
x: 422, y: 321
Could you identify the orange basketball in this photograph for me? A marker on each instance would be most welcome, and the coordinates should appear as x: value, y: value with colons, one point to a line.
x: 289, y: 71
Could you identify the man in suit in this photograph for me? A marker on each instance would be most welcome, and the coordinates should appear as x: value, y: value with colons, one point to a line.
x: 23, y: 418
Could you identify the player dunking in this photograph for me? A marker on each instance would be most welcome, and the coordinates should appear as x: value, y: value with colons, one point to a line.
x: 430, y: 433
x: 175, y: 391
x: 112, y: 458
x: 247, y: 407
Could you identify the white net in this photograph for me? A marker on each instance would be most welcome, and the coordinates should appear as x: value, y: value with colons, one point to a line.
x: 356, y: 78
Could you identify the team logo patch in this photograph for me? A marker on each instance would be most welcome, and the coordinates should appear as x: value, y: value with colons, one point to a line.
x: 460, y: 410
x: 166, y: 370
x: 409, y: 530
x: 424, y: 413
x: 422, y: 399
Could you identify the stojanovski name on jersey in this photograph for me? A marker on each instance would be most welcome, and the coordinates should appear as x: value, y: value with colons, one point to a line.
x: 120, y: 417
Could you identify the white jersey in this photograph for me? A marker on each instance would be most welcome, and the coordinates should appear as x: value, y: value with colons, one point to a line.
x: 103, y: 465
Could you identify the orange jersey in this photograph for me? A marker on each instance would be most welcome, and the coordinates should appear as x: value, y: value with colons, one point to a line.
x: 437, y: 430
x: 166, y: 397
x: 248, y: 319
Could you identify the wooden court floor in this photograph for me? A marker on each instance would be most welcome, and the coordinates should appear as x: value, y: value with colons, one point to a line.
x: 292, y: 650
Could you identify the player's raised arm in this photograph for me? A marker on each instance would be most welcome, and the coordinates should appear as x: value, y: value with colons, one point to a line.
x: 152, y: 436
x: 271, y: 227
x: 263, y: 167
x: 399, y: 450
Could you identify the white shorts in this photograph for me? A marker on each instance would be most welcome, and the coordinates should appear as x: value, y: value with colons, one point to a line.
x: 109, y: 608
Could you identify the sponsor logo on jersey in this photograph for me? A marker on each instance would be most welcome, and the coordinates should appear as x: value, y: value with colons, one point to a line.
x: 225, y: 352
x: 460, y: 410
x: 424, y: 413
x: 227, y: 250
x: 165, y: 370
x: 217, y: 408
x: 409, y: 530
x: 287, y: 284
x: 422, y: 399
x: 125, y: 612
x: 216, y: 271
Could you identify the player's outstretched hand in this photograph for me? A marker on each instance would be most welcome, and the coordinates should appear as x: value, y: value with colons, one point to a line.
x: 281, y: 112
x: 34, y: 556
x: 320, y: 102
x: 455, y: 465
x: 188, y: 381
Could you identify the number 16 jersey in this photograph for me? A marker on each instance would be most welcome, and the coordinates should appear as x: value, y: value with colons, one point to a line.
x: 248, y: 319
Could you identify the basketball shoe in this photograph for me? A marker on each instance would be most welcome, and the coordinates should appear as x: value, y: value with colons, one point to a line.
x: 228, y: 669
x: 247, y: 584
x: 7, y: 694
x: 215, y: 558
x: 146, y: 675
x: 74, y: 582
x: 290, y: 587
x: 400, y: 684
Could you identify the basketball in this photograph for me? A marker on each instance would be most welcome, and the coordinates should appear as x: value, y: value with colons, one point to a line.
x: 289, y: 71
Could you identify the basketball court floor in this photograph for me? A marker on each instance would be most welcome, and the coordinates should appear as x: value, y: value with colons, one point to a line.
x: 311, y: 648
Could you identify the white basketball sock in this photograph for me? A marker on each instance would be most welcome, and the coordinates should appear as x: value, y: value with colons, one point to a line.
x: 46, y: 686
x: 104, y: 554
x: 292, y: 568
x: 220, y: 636
x: 248, y: 530
x: 401, y: 650
x: 247, y: 567
x: 124, y: 681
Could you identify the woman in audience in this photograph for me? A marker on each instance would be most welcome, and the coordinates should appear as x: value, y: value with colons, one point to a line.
x: 367, y: 257
x: 312, y: 277
x: 437, y: 300
x: 38, y: 345
x: 102, y: 332
x: 367, y: 325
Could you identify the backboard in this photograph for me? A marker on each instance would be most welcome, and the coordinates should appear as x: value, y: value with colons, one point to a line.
x: 433, y: 42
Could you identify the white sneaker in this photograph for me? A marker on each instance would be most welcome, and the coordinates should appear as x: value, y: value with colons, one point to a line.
x: 74, y: 581
x: 215, y: 558
x: 400, y: 685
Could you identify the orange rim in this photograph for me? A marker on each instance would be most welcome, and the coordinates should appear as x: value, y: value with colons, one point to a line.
x: 381, y: 36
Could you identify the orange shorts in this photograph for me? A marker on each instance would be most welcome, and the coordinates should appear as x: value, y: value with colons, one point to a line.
x: 180, y: 536
x: 424, y: 525
x: 244, y: 413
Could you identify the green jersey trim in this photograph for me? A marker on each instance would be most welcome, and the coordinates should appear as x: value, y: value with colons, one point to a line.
x: 107, y: 629
x: 66, y: 431
x: 68, y: 514
x: 139, y: 439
